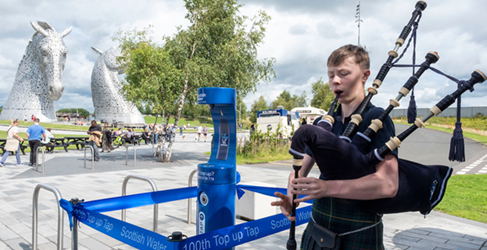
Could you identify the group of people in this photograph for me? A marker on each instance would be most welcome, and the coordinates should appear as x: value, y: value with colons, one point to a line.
x: 36, y: 135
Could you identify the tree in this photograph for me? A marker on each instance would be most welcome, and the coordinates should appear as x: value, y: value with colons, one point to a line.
x: 257, y: 106
x: 241, y: 110
x: 216, y: 50
x: 322, y: 95
x: 289, y: 102
x: 151, y: 76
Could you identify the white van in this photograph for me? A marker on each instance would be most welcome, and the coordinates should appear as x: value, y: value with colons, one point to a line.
x: 308, y: 113
x: 269, y: 120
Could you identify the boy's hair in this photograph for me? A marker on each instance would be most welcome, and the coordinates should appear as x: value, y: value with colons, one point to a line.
x: 37, y: 120
x: 339, y: 55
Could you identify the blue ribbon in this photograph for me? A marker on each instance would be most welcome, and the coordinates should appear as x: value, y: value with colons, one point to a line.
x: 224, y: 238
x: 130, y: 201
x: 138, y: 200
x: 127, y: 233
x: 269, y: 191
x: 66, y: 205
x: 228, y: 237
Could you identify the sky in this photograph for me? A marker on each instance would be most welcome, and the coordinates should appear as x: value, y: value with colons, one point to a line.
x: 300, y: 36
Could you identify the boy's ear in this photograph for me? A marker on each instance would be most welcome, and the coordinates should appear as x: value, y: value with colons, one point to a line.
x: 366, y: 75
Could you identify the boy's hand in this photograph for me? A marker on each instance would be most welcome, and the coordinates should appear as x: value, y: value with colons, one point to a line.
x: 285, y: 204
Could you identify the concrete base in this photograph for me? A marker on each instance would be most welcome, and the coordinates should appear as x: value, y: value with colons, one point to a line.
x: 253, y: 206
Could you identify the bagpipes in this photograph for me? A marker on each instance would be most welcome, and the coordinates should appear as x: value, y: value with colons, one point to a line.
x: 421, y: 187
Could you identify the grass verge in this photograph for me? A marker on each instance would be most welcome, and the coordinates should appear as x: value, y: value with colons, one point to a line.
x: 254, y: 160
x: 473, y: 136
x: 466, y: 197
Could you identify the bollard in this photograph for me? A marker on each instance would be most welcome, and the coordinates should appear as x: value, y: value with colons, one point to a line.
x: 127, y: 154
x: 60, y: 226
x: 43, y: 158
x: 190, y: 184
x: 154, y: 188
x: 92, y: 157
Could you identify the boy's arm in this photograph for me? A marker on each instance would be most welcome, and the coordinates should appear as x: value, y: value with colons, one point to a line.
x: 381, y: 184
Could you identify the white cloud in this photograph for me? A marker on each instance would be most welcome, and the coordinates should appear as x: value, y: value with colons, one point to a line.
x: 300, y: 36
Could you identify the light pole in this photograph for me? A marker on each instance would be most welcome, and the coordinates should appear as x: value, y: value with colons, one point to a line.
x: 357, y: 15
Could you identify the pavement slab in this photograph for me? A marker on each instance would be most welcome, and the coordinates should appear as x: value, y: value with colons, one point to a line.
x: 65, y: 171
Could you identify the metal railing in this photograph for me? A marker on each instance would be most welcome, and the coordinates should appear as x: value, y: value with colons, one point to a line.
x: 60, y: 226
x: 190, y: 184
x: 92, y: 156
x: 127, y: 154
x: 43, y: 158
x: 154, y: 188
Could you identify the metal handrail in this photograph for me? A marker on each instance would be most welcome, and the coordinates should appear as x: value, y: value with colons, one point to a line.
x: 92, y: 157
x: 190, y: 184
x: 60, y: 226
x: 154, y: 188
x: 127, y: 154
x: 43, y: 158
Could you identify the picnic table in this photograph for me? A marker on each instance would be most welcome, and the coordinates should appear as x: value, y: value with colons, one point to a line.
x: 76, y: 140
x: 22, y: 146
x: 56, y: 143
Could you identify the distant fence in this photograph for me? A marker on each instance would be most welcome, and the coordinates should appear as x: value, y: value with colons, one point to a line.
x: 449, y: 112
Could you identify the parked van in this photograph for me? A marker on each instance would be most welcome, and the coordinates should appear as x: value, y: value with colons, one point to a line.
x: 308, y: 113
x: 269, y: 120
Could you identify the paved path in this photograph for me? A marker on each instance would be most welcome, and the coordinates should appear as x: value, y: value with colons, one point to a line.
x: 429, y: 146
x: 65, y: 172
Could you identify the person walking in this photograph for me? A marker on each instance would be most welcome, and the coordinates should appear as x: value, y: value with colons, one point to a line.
x: 12, y: 134
x: 205, y: 131
x: 35, y: 133
x: 106, y: 143
x: 199, y: 130
x: 95, y: 135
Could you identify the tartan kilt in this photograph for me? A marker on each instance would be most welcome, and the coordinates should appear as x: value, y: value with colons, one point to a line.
x: 339, y: 216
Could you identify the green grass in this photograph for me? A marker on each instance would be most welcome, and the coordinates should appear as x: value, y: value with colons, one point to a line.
x: 48, y: 125
x: 473, y: 136
x: 241, y: 160
x: 466, y: 197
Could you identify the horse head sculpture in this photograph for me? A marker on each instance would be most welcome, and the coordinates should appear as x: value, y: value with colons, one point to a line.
x: 51, y: 55
x: 109, y: 103
x: 38, y: 80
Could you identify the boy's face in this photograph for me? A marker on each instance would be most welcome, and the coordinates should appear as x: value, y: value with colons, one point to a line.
x: 349, y: 79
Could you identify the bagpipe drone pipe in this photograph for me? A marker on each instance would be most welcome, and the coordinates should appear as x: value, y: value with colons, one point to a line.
x: 421, y: 187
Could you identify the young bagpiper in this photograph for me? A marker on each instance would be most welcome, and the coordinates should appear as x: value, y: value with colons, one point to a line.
x: 348, y: 70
